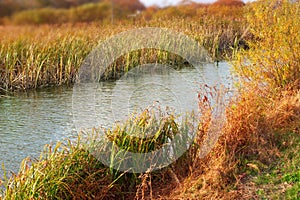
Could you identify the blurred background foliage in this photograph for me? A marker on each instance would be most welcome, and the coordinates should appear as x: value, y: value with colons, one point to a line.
x: 62, y: 11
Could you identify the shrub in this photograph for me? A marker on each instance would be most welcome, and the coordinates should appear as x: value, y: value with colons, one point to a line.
x: 229, y: 3
x: 40, y: 16
x: 90, y: 12
x: 273, y: 59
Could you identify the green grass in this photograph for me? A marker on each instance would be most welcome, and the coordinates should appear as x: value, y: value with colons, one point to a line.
x: 71, y: 170
x: 281, y: 180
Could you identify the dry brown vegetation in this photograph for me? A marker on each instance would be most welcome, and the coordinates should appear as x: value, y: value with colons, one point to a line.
x: 229, y: 3
x: 266, y: 109
x: 30, y: 57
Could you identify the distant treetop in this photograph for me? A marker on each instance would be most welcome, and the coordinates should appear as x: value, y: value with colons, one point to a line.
x: 229, y: 3
x: 8, y: 7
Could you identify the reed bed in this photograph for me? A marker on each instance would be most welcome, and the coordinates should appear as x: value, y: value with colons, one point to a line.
x: 49, y: 55
x: 265, y: 110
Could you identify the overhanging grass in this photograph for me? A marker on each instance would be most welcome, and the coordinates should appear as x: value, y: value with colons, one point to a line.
x: 70, y: 170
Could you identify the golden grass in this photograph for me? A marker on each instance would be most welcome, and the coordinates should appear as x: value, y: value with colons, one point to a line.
x: 256, y: 121
x: 70, y: 171
x: 49, y: 55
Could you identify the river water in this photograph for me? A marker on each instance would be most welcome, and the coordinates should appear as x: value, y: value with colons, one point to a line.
x: 30, y: 120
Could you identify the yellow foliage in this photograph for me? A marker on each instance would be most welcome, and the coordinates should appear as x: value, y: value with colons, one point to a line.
x: 273, y: 60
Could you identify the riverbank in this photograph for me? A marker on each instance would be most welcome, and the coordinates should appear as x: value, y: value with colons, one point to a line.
x: 50, y: 55
x: 260, y: 133
x: 53, y: 110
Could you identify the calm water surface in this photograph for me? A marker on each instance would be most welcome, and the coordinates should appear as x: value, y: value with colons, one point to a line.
x: 30, y: 120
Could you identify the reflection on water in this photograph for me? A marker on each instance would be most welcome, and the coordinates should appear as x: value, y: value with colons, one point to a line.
x: 30, y: 120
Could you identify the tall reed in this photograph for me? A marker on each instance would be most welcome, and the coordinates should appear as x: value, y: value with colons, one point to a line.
x: 38, y: 56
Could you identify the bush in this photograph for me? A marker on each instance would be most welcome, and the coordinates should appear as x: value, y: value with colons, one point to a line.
x: 90, y: 12
x: 40, y: 16
x: 273, y: 59
x: 229, y: 3
x: 84, y: 13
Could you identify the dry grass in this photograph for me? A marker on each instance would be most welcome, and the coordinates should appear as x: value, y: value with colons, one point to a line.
x: 50, y: 55
x: 257, y: 121
x: 251, y: 141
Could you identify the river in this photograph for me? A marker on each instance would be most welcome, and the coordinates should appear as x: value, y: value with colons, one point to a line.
x: 29, y: 120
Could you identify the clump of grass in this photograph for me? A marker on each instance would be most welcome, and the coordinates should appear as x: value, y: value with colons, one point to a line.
x: 141, y: 57
x: 72, y: 170
x: 145, y: 133
x: 65, y: 172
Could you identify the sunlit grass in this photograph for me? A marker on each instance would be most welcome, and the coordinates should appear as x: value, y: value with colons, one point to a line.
x: 50, y: 55
x: 260, y: 137
x: 71, y: 170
